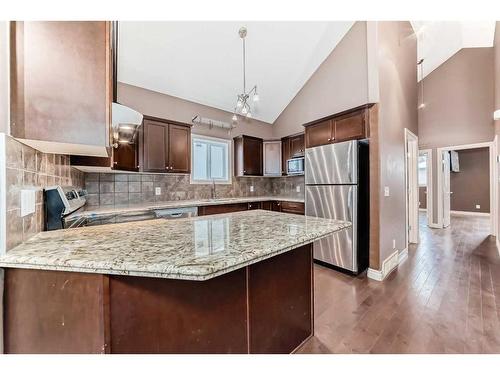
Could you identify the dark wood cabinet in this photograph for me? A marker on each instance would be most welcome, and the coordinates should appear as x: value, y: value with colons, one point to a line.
x: 179, y: 148
x: 248, y: 156
x: 222, y: 209
x: 319, y: 134
x: 255, y: 205
x: 166, y: 146
x: 296, y: 146
x: 125, y: 157
x: 276, y: 206
x: 343, y: 126
x: 293, y: 207
x: 291, y: 147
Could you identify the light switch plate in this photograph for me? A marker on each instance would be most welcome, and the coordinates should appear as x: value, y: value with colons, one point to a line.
x: 28, y: 201
x: 158, y: 191
x: 251, y: 188
x: 386, y: 191
x: 478, y: 206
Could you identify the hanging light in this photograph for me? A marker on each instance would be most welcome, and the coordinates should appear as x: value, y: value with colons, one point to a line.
x: 242, y: 105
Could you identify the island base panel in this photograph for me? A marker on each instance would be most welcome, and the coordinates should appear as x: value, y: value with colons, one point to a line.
x: 262, y: 308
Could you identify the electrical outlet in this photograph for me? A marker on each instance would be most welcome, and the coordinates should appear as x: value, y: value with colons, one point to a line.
x: 251, y: 189
x: 393, y: 244
x: 297, y: 188
x: 386, y: 191
x: 158, y: 191
x: 478, y: 206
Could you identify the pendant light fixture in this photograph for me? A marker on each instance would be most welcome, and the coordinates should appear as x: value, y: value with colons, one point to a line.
x: 242, y: 107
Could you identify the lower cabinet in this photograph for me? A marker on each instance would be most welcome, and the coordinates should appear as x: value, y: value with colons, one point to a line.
x: 222, y: 209
x: 284, y: 206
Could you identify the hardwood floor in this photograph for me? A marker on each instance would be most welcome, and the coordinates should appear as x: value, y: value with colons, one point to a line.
x: 445, y: 298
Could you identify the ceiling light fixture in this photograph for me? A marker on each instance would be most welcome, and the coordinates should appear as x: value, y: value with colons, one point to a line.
x: 242, y: 107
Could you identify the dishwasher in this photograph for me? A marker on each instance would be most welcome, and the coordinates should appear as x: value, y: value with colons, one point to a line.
x: 176, y: 213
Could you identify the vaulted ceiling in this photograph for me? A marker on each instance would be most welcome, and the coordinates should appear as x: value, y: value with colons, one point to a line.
x: 439, y: 40
x: 202, y: 61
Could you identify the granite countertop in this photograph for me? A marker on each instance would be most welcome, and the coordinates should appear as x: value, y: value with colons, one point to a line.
x: 114, y: 210
x: 197, y: 248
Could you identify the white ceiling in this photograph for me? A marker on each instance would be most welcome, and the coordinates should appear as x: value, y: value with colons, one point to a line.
x: 202, y: 61
x: 439, y: 40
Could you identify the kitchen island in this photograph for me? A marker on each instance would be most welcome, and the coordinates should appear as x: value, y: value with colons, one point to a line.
x: 230, y: 283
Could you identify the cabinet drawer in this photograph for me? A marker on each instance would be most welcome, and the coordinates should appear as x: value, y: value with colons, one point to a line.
x: 293, y: 207
x: 254, y: 205
x: 222, y: 209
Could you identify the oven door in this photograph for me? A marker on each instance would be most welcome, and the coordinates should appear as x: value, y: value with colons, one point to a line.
x: 295, y: 166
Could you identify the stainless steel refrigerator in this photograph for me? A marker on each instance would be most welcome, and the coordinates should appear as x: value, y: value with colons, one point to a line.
x: 337, y: 187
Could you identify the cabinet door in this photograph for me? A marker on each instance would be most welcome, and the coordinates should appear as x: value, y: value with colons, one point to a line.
x: 125, y: 157
x: 285, y: 154
x: 297, y: 145
x: 267, y: 205
x: 254, y: 205
x: 351, y: 126
x: 252, y: 156
x: 272, y: 158
x: 319, y: 134
x: 179, y: 149
x: 276, y: 206
x: 155, y: 146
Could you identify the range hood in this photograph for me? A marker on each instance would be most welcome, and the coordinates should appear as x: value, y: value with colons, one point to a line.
x: 125, y: 123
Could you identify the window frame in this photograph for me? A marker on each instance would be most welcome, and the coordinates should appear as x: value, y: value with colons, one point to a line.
x: 225, y: 141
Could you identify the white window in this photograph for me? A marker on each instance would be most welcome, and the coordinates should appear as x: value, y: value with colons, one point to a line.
x: 210, y: 160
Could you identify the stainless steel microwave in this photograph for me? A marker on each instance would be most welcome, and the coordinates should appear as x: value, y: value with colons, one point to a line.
x: 295, y: 166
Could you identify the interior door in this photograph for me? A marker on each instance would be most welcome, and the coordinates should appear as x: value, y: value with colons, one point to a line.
x: 179, y: 149
x: 446, y: 189
x: 412, y: 180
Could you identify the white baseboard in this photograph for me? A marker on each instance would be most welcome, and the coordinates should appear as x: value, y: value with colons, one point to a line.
x: 498, y: 245
x: 470, y: 213
x: 403, y: 255
x: 389, y: 265
x: 422, y: 209
x: 434, y: 225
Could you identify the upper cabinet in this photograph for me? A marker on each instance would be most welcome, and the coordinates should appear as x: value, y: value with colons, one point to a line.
x: 248, y: 156
x: 165, y: 146
x: 344, y: 126
x: 291, y: 147
x: 272, y: 158
x: 61, y: 86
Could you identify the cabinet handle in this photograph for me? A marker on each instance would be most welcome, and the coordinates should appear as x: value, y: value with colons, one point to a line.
x: 166, y: 167
x: 329, y: 139
x: 115, y: 163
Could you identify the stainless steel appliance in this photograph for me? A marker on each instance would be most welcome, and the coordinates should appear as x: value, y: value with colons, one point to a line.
x: 60, y: 202
x: 295, y: 166
x: 337, y: 187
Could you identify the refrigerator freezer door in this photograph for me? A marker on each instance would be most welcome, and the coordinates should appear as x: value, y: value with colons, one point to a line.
x: 335, y: 202
x: 334, y: 164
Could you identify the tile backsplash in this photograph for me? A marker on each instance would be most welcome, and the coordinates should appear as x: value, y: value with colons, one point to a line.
x: 106, y: 189
x: 27, y: 168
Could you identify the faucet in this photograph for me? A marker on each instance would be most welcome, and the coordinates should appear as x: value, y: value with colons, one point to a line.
x: 213, y: 193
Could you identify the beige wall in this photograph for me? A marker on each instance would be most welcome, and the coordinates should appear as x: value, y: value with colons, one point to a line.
x: 169, y: 107
x: 474, y: 167
x: 4, y: 89
x: 340, y: 83
x: 459, y: 101
x: 397, y: 56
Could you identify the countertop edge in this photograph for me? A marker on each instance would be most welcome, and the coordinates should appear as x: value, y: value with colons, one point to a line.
x: 177, y: 276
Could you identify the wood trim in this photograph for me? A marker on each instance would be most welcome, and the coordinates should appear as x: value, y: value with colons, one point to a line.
x: 346, y: 112
x: 106, y: 315
x: 110, y: 72
x: 16, y: 79
x: 374, y: 189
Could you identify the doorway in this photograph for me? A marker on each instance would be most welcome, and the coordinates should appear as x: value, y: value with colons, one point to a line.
x: 411, y: 169
x: 465, y: 179
x: 425, y: 205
